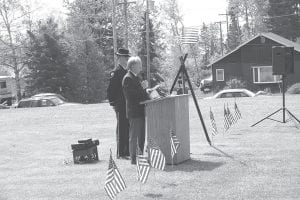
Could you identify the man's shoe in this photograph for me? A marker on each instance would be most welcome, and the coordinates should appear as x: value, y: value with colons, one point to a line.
x: 124, y: 157
x: 133, y: 162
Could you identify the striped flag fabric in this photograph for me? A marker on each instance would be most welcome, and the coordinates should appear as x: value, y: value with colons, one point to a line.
x: 190, y: 35
x: 213, y: 124
x: 237, y: 113
x: 174, y: 144
x: 230, y: 116
x: 143, y: 166
x: 156, y: 157
x: 114, y: 182
x: 226, y: 120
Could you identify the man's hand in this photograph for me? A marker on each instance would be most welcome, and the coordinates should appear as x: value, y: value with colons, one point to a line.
x: 149, y: 90
x: 144, y: 84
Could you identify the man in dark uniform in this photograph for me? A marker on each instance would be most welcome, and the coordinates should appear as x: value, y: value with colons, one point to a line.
x: 117, y: 101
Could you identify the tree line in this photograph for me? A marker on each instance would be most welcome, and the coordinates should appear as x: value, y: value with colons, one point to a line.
x: 74, y: 55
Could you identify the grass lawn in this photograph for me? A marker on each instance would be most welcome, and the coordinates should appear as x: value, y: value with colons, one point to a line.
x: 262, y: 162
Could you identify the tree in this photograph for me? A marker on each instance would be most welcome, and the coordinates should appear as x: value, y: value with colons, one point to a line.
x: 48, y: 68
x: 234, y: 31
x: 284, y: 18
x: 252, y: 13
x: 172, y: 29
x: 11, y: 39
x: 89, y: 35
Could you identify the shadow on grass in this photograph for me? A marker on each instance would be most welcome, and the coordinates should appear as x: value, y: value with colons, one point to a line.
x: 228, y: 156
x: 194, y: 165
x: 236, y: 134
x: 213, y: 154
x: 233, y: 138
x: 153, y: 196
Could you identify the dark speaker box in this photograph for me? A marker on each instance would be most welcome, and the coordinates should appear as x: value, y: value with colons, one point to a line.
x: 278, y: 60
x: 289, y: 60
x: 283, y: 60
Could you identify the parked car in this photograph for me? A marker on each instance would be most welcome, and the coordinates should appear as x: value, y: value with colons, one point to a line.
x: 3, y: 106
x: 51, y: 95
x: 42, y: 102
x: 232, y: 93
x: 206, y: 85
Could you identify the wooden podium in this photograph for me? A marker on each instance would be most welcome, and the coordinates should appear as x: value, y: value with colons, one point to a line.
x: 164, y: 114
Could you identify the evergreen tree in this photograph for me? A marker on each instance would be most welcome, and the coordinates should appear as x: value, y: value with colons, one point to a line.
x: 284, y: 18
x: 89, y: 33
x: 155, y: 47
x: 234, y: 32
x: 48, y: 68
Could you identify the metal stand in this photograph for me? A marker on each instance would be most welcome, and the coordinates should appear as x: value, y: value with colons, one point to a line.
x: 182, y: 70
x: 284, y: 109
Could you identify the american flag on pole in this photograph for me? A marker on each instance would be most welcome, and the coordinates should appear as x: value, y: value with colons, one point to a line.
x: 174, y: 144
x: 230, y: 116
x: 213, y: 124
x: 143, y: 166
x: 237, y: 113
x: 226, y: 120
x: 190, y: 35
x: 156, y: 157
x: 114, y: 182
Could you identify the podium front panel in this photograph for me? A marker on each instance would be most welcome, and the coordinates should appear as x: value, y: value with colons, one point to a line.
x: 163, y: 115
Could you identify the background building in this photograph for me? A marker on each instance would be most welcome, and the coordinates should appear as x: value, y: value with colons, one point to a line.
x: 251, y: 62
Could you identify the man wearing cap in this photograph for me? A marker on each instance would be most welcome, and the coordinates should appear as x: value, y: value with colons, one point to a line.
x: 117, y: 101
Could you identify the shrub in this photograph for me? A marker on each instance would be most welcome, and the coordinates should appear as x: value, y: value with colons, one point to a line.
x: 294, y: 89
x: 235, y: 83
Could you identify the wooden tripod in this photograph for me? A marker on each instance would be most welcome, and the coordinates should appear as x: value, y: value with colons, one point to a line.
x: 183, y: 72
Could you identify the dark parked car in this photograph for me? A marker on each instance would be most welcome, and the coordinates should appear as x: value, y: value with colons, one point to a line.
x: 40, y: 102
x: 206, y: 85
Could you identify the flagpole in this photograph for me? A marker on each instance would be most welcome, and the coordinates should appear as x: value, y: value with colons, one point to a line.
x: 224, y: 129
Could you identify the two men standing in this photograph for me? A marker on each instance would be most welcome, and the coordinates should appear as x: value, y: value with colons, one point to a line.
x: 125, y: 92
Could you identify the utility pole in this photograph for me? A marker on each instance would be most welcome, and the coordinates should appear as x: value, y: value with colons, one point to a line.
x: 221, y: 35
x: 227, y: 23
x: 125, y: 4
x: 114, y: 31
x: 148, y: 41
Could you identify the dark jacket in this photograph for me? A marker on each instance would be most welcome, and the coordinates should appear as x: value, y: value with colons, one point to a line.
x: 134, y: 94
x: 114, y: 91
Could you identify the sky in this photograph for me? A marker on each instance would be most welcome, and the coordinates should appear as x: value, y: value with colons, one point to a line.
x: 195, y: 12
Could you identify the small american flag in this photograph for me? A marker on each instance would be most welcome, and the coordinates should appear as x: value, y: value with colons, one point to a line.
x: 230, y: 116
x: 143, y: 166
x: 213, y: 124
x: 114, y: 182
x: 226, y: 120
x: 237, y: 113
x: 156, y: 157
x: 174, y: 144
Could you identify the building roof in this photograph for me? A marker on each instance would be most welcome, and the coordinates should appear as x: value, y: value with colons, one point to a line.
x: 269, y: 35
x: 6, y: 77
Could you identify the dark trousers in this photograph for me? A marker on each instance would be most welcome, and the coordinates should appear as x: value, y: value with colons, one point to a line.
x: 136, y: 135
x: 122, y: 134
